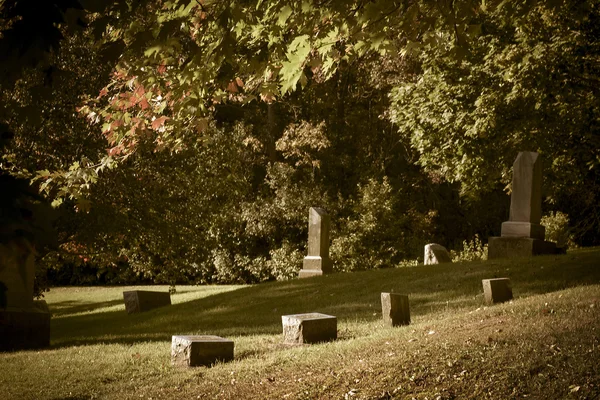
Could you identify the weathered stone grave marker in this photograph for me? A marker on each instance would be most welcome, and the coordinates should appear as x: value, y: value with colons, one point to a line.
x: 436, y: 254
x: 23, y: 324
x: 497, y: 290
x: 309, y: 328
x: 317, y: 262
x: 144, y: 300
x: 200, y: 350
x: 522, y: 235
x: 395, y: 309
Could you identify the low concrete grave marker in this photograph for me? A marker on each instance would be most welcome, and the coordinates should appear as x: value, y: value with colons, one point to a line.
x: 200, y: 350
x: 309, y: 328
x: 522, y: 235
x: 23, y: 324
x: 143, y: 300
x: 395, y: 309
x: 317, y: 261
x: 497, y: 290
x: 436, y: 254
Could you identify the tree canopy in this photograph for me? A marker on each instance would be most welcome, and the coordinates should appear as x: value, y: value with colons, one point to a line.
x: 194, y: 135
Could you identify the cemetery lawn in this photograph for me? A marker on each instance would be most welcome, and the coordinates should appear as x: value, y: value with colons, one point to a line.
x: 545, y: 344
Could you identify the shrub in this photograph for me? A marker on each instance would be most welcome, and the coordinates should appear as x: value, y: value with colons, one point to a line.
x: 557, y: 229
x: 473, y: 250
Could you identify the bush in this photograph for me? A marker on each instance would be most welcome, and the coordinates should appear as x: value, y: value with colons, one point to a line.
x: 473, y: 250
x: 558, y: 230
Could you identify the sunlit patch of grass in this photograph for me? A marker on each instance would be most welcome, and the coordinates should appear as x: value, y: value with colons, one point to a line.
x: 543, y: 344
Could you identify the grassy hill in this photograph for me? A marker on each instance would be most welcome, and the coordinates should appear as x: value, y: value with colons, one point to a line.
x: 545, y: 344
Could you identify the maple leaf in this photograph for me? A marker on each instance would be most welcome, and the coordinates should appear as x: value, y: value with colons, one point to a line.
x: 158, y: 122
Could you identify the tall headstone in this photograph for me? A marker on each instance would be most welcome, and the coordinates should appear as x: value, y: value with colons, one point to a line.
x: 522, y: 235
x: 317, y: 262
x: 23, y: 325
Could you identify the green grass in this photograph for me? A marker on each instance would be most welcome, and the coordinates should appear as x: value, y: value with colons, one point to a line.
x: 544, y: 344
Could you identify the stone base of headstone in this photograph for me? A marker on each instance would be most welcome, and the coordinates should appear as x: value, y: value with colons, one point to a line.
x: 436, y: 254
x: 307, y: 273
x: 309, y: 328
x: 523, y: 229
x: 395, y: 309
x: 315, y: 266
x: 143, y: 300
x: 200, y: 350
x: 513, y: 247
x: 497, y: 290
x: 24, y: 329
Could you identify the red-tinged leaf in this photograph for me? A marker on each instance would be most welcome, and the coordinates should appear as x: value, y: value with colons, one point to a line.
x: 158, y: 122
x: 161, y: 68
x: 140, y: 91
x: 103, y: 93
x: 144, y: 104
x: 232, y: 87
x: 115, y: 151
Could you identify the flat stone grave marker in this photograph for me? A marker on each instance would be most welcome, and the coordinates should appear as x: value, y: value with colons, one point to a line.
x: 317, y: 262
x: 309, y: 328
x: 436, y: 254
x: 497, y: 290
x: 200, y: 350
x: 143, y: 300
x: 395, y: 309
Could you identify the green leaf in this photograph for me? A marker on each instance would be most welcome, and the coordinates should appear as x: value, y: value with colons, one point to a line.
x: 283, y: 15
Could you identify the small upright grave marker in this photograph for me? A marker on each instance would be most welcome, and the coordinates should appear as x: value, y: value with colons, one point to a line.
x: 143, y: 300
x: 317, y: 261
x: 436, y: 254
x: 200, y: 350
x: 497, y: 290
x: 309, y: 328
x: 395, y: 309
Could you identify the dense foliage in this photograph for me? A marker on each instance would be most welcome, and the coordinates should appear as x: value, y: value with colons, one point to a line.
x: 186, y: 140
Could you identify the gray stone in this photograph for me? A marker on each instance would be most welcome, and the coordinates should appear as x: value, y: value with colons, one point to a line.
x: 144, y: 300
x: 523, y: 229
x: 309, y: 328
x: 522, y: 235
x: 395, y: 309
x: 22, y: 324
x: 317, y: 262
x: 497, y: 290
x: 436, y: 254
x: 200, y: 350
x: 515, y: 247
x: 526, y: 196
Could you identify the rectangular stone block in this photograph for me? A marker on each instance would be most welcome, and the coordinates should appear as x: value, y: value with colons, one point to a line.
x: 309, y: 328
x: 497, y: 290
x: 395, y: 309
x: 515, y: 247
x: 523, y: 229
x: 200, y: 350
x: 24, y: 329
x: 143, y: 300
x: 317, y: 263
x: 309, y: 273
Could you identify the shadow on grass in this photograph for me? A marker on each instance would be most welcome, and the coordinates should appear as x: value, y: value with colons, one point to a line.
x: 351, y: 297
x: 73, y: 307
